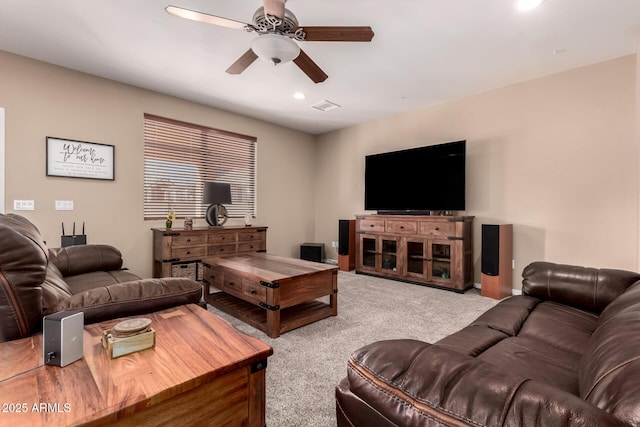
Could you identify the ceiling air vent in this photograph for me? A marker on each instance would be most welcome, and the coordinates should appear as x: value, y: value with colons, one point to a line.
x: 325, y: 105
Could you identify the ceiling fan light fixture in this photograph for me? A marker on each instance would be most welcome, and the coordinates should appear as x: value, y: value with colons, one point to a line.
x: 275, y: 49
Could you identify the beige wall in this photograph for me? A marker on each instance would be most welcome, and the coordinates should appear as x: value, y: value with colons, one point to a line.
x: 44, y: 100
x: 557, y: 157
x: 554, y: 156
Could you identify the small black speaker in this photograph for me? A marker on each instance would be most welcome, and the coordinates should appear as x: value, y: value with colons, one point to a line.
x: 490, y: 249
x: 312, y: 251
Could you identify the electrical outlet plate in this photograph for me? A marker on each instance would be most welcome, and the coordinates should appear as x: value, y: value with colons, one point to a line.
x: 64, y: 205
x: 24, y: 205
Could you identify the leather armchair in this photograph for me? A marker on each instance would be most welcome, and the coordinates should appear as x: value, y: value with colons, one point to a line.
x: 36, y: 281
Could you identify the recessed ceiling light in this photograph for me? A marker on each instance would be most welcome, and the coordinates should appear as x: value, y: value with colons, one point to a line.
x: 299, y: 95
x: 528, y: 4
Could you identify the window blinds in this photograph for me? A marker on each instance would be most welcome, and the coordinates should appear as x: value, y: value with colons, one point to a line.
x: 179, y: 157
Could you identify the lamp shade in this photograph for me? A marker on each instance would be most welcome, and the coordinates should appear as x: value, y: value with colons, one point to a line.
x: 216, y: 192
x: 275, y: 49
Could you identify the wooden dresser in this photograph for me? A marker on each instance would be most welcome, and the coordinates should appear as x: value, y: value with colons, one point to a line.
x: 179, y: 247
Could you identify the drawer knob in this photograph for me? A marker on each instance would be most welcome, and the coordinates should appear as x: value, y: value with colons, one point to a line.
x: 231, y: 284
x: 437, y: 228
x: 221, y: 249
x: 188, y: 240
x: 188, y: 252
x: 253, y: 292
x: 402, y: 227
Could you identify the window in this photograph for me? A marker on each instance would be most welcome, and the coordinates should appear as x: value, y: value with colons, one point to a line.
x: 179, y: 157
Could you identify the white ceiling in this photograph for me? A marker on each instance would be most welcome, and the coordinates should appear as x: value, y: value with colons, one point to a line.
x: 423, y: 51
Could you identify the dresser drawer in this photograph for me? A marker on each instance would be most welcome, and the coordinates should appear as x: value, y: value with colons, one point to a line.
x: 438, y: 229
x: 254, y: 290
x: 402, y: 226
x: 188, y: 240
x: 371, y: 225
x: 221, y: 238
x: 221, y: 249
x: 188, y: 253
x: 249, y: 237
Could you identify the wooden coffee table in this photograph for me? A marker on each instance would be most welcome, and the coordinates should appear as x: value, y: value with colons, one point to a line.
x: 272, y: 293
x: 202, y: 371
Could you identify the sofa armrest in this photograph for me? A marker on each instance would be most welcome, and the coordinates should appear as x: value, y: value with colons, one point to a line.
x: 133, y: 298
x: 80, y: 259
x: 585, y: 288
x: 412, y: 383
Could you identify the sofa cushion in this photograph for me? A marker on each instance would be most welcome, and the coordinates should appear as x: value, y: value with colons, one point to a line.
x: 140, y: 296
x: 502, y: 321
x: 415, y: 384
x: 560, y: 326
x: 582, y: 287
x: 73, y: 260
x: 23, y: 267
x: 539, y: 340
x: 83, y: 282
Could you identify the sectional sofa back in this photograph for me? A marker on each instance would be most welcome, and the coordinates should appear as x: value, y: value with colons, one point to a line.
x: 23, y: 267
x: 589, y: 289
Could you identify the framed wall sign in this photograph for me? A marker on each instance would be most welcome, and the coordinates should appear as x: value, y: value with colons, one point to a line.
x: 77, y: 159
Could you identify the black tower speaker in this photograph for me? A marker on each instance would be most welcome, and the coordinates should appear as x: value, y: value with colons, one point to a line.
x: 346, y: 244
x: 497, y: 259
x: 490, y: 249
x: 343, y: 237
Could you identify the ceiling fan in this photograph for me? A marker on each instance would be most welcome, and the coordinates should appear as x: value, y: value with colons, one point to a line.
x: 277, y: 28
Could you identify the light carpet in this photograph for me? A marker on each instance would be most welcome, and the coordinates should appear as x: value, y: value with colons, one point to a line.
x: 308, y: 362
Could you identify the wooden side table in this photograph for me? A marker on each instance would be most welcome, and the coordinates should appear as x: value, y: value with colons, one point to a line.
x: 202, y: 371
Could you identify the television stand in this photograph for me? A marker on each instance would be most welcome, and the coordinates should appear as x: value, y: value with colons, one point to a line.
x: 428, y: 250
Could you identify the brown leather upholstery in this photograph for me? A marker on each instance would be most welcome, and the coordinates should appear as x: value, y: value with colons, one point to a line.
x: 36, y: 281
x: 566, y: 352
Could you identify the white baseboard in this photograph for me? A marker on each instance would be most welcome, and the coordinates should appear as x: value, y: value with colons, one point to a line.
x: 513, y: 291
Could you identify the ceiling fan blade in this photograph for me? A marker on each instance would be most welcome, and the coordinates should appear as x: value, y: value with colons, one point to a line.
x: 204, y: 17
x: 242, y: 63
x: 338, y: 34
x: 274, y: 8
x: 310, y: 68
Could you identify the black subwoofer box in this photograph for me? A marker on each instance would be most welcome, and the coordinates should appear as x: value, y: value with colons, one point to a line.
x: 312, y: 251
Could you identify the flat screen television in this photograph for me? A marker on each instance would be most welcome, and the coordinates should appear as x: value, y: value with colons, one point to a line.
x: 431, y: 178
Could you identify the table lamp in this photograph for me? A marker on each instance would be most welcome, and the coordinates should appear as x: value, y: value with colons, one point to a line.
x: 215, y: 194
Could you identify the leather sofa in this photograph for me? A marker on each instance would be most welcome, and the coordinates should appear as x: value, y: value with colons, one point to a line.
x: 564, y: 353
x: 36, y: 281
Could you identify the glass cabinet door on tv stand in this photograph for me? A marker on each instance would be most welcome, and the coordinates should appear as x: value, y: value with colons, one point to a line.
x: 428, y: 260
x: 379, y: 254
